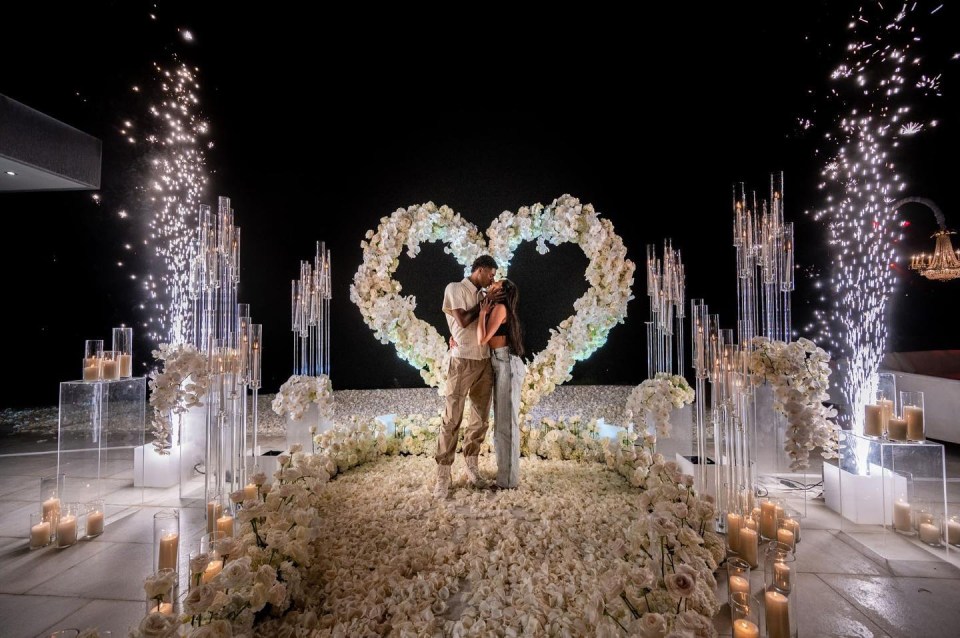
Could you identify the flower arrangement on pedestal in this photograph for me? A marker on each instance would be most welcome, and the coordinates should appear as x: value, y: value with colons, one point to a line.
x: 180, y: 385
x: 655, y: 398
x: 298, y: 393
x: 392, y: 318
x: 799, y: 373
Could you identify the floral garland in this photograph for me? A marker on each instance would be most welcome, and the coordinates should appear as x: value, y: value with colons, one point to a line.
x: 799, y: 373
x: 179, y: 386
x: 298, y: 392
x: 655, y: 398
x: 392, y: 318
x: 662, y: 576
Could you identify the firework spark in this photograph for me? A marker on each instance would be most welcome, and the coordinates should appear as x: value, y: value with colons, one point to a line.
x: 874, y: 84
x: 172, y: 132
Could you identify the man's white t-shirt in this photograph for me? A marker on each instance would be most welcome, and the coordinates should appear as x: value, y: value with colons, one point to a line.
x: 463, y: 295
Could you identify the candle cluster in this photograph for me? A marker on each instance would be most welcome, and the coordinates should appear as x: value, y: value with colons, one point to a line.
x: 882, y: 420
x: 64, y: 523
x: 109, y: 365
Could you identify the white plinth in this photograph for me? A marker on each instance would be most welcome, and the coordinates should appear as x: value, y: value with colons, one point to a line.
x: 156, y: 470
x: 858, y: 497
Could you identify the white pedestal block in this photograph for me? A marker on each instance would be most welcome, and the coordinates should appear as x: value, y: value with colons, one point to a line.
x: 859, y: 498
x: 151, y: 469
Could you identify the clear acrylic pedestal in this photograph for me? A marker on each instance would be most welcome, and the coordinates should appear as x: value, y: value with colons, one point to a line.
x: 101, y: 423
x: 890, y: 486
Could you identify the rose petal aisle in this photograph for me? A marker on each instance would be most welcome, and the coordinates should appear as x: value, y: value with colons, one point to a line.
x: 575, y: 550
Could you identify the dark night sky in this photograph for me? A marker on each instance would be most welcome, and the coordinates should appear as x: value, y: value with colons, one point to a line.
x: 322, y: 128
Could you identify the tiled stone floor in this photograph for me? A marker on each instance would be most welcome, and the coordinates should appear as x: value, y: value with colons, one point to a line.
x: 852, y: 582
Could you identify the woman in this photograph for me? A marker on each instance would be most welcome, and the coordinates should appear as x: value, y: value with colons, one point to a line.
x: 499, y: 327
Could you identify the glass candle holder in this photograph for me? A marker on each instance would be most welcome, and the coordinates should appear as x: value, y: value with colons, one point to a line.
x: 770, y: 510
x: 109, y: 366
x: 792, y: 523
x: 198, y: 563
x: 780, y: 591
x: 912, y: 410
x: 873, y: 420
x: 51, y: 487
x: 226, y: 522
x: 902, y: 515
x: 744, y: 615
x: 166, y: 540
x: 738, y: 577
x: 68, y: 525
x: 785, y: 533
x: 160, y: 591
x: 123, y: 346
x: 930, y: 529
x: 41, y: 531
x: 951, y: 530
x: 91, y: 359
x: 897, y: 429
x: 95, y: 518
x: 209, y: 547
x: 734, y: 522
x: 214, y: 511
x: 749, y: 542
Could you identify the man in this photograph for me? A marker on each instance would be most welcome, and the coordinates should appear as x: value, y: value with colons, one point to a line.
x: 470, y: 374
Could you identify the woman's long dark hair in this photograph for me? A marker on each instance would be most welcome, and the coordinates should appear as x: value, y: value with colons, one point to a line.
x: 514, y: 328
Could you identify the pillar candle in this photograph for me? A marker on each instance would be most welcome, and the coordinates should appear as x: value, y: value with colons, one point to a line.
x: 901, y: 516
x: 778, y: 615
x: 51, y: 509
x: 873, y: 420
x: 110, y: 369
x: 794, y: 526
x: 743, y: 628
x: 749, y: 522
x: 896, y: 429
x: 250, y: 492
x: 213, y: 568
x: 163, y: 608
x: 733, y: 531
x: 225, y: 525
x: 169, y: 544
x: 94, y: 523
x: 913, y: 415
x: 91, y: 371
x: 214, y: 510
x: 40, y: 534
x: 886, y: 411
x: 785, y: 536
x: 67, y: 531
x: 749, y: 547
x: 923, y: 516
x: 953, y: 532
x: 126, y: 365
x: 768, y: 519
x: 781, y: 577
x: 738, y: 584
x: 930, y: 534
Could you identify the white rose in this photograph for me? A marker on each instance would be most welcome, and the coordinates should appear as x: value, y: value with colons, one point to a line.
x: 158, y: 625
x: 199, y: 599
x: 216, y: 629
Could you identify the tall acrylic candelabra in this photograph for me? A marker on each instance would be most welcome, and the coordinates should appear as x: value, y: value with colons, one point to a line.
x: 310, y: 315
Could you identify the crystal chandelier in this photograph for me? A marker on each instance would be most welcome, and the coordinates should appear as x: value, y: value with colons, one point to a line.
x: 943, y: 264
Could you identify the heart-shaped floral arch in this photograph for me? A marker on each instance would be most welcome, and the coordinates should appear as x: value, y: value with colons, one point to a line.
x: 392, y: 318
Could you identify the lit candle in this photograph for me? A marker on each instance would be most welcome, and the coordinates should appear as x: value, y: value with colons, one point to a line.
x: 886, y: 411
x: 896, y: 429
x: 778, y: 615
x: 214, y: 510
x: 929, y: 534
x: 768, y: 519
x: 913, y: 415
x: 738, y: 584
x: 749, y: 547
x: 923, y: 516
x: 51, y: 509
x: 169, y: 543
x: 743, y: 628
x: 94, y: 523
x: 733, y: 531
x: 785, y: 536
x: 749, y: 522
x: 67, y: 531
x: 40, y: 534
x: 953, y: 532
x: 901, y: 516
x: 873, y: 420
x: 126, y: 365
x: 250, y: 492
x: 213, y: 568
x: 91, y: 369
x: 163, y: 608
x: 794, y: 526
x: 781, y: 577
x: 225, y: 525
x: 110, y: 369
